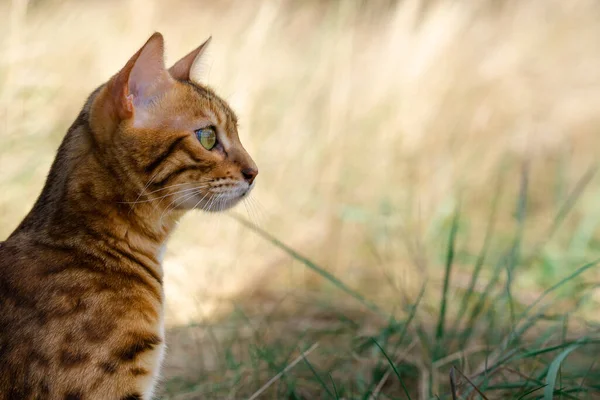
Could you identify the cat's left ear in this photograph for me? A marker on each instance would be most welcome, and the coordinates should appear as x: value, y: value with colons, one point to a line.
x: 143, y: 78
x: 183, y: 68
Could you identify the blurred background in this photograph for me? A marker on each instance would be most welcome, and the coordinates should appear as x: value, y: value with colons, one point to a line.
x: 424, y: 164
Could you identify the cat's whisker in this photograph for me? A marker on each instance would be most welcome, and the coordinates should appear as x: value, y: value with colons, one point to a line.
x: 215, y: 203
x: 166, y: 195
x: 222, y: 202
x: 251, y: 210
x: 221, y: 207
x: 175, y: 185
x: 211, y: 201
x: 157, y: 201
x: 184, y: 198
x: 252, y: 215
x: 257, y: 203
x: 171, y: 206
x: 218, y: 205
x: 257, y: 209
x: 245, y: 201
x: 197, y: 188
x: 260, y: 215
x: 177, y: 202
x: 201, y: 200
x: 143, y: 190
x: 147, y: 185
x: 166, y: 209
x: 165, y: 188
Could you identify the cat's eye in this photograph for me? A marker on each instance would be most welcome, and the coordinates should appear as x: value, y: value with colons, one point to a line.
x: 207, y: 137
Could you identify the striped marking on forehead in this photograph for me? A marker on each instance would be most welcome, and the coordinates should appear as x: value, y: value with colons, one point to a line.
x: 221, y: 110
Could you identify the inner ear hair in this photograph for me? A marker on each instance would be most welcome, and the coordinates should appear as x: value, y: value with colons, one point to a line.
x: 182, y: 69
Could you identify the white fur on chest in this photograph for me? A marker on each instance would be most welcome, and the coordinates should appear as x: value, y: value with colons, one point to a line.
x: 159, y: 358
x: 161, y: 254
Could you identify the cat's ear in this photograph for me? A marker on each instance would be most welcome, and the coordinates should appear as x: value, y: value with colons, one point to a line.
x: 142, y: 79
x: 183, y: 68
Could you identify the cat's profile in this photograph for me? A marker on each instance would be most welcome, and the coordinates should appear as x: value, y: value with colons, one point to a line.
x: 81, y: 297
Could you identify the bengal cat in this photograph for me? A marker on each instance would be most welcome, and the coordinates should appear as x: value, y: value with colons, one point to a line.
x: 81, y: 294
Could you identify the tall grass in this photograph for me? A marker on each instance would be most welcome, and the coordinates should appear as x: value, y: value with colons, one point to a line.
x: 428, y: 189
x: 493, y: 355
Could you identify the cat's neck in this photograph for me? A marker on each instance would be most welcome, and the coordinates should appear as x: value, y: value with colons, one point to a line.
x: 84, y: 197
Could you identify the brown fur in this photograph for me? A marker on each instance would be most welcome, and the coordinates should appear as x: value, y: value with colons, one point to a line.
x: 80, y: 278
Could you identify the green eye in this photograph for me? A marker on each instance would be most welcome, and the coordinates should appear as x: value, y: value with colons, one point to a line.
x: 207, y: 137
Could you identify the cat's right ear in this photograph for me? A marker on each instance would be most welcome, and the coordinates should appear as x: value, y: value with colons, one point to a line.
x: 142, y: 79
x: 182, y: 69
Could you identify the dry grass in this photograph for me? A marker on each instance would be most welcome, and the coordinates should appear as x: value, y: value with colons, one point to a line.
x: 370, y: 122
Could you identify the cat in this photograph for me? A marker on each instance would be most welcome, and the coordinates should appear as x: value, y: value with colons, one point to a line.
x: 81, y: 294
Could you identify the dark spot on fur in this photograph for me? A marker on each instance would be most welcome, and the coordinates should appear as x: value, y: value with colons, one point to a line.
x: 180, y: 170
x: 98, y: 331
x: 133, y: 396
x: 109, y: 367
x: 135, y: 260
x: 139, y: 343
x: 6, y: 348
x: 44, y: 387
x: 17, y: 295
x: 164, y: 155
x: 139, y: 371
x: 39, y: 358
x: 20, y: 388
x: 70, y: 358
x: 73, y: 396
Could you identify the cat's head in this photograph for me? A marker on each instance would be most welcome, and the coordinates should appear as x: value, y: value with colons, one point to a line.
x: 171, y: 138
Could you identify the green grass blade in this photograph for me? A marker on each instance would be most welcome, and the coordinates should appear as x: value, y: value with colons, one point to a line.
x: 557, y: 285
x: 516, y: 354
x: 515, y: 253
x: 565, y: 209
x: 319, y: 379
x: 578, y: 343
x: 553, y: 371
x: 440, y: 330
x: 509, y: 261
x: 335, y: 391
x: 470, y: 382
x: 411, y: 315
x: 480, y: 258
x: 527, y: 393
x: 519, y: 329
x: 407, y: 323
x: 587, y: 373
x: 453, y: 389
x: 393, y: 365
x: 308, y: 263
x: 567, y: 393
x: 480, y: 305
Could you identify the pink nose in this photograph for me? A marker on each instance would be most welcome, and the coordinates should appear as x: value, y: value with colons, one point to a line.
x: 249, y: 174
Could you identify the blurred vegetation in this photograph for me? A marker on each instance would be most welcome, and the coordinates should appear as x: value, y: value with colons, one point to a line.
x: 428, y: 189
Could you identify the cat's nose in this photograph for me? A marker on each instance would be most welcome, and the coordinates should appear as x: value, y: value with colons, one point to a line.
x: 249, y: 174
